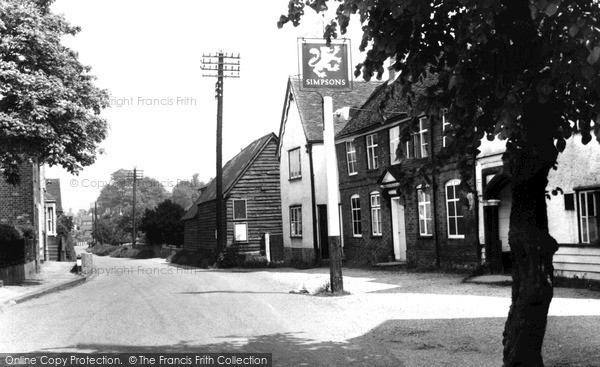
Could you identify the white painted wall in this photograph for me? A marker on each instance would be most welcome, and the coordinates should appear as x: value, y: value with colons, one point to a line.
x: 578, y: 165
x: 295, y: 192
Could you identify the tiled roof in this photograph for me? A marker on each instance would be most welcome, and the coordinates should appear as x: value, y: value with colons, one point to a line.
x: 53, y: 192
x: 232, y: 170
x: 384, y: 104
x: 310, y: 106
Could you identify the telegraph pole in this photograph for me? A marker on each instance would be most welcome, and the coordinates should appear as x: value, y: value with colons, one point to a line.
x: 134, y: 175
x: 220, y: 65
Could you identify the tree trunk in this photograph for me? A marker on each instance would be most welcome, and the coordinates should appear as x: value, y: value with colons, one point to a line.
x: 532, y: 250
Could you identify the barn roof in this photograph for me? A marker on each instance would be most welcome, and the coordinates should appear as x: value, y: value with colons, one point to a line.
x: 233, y: 170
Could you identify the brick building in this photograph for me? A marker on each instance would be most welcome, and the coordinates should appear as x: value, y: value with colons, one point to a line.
x: 390, y: 211
x: 22, y: 206
x: 252, y: 199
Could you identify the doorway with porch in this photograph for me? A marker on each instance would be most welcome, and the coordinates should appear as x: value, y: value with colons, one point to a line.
x: 398, y: 229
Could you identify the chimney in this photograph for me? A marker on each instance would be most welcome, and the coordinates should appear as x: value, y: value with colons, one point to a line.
x: 393, y: 73
x: 342, y: 114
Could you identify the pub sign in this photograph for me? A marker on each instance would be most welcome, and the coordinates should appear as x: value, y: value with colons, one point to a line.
x: 325, y: 67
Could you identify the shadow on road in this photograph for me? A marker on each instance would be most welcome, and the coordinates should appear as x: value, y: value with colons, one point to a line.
x: 233, y: 292
x: 477, y: 342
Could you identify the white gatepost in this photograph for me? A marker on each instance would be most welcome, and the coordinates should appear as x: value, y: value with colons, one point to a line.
x: 268, y: 246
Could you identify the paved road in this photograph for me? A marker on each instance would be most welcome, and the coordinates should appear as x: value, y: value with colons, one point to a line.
x: 150, y: 306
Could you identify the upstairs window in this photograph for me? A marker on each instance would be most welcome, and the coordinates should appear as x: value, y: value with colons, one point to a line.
x: 394, y: 144
x: 239, y: 209
x: 445, y: 128
x: 423, y: 138
x: 294, y: 163
x: 418, y: 145
x: 351, y: 157
x: 372, y: 151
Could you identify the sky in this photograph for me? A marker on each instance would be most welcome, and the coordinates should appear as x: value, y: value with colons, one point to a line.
x: 162, y: 118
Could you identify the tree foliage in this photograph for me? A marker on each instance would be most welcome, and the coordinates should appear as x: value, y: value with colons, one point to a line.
x: 117, y: 195
x: 493, y: 59
x: 49, y: 106
x: 115, y: 202
x: 106, y: 231
x: 163, y: 225
x: 186, y: 192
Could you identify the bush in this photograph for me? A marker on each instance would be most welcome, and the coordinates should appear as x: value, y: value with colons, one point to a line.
x: 104, y: 250
x: 124, y: 252
x: 9, y: 233
x: 228, y: 258
x: 254, y: 262
x: 189, y: 258
x: 144, y: 254
x: 68, y: 243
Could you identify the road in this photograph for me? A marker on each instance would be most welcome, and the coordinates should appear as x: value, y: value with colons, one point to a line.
x: 151, y: 306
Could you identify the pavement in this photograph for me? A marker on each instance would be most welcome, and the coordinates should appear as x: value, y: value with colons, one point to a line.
x: 390, y: 318
x: 53, y: 277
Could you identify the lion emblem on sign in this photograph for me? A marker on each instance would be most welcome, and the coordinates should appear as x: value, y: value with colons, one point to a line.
x: 324, y: 59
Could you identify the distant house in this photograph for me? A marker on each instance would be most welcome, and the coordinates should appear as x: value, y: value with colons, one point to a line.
x: 252, y: 199
x: 302, y: 167
x: 22, y: 206
x: 572, y: 215
x: 390, y: 211
x: 53, y: 204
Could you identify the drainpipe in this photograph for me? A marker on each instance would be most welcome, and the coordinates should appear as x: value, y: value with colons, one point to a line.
x: 313, y: 198
x: 434, y: 201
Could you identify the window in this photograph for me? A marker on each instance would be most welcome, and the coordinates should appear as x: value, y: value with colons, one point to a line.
x: 294, y: 163
x: 351, y: 157
x: 356, y: 218
x: 423, y: 137
x: 418, y: 146
x: 51, y: 219
x: 296, y: 221
x: 240, y: 232
x: 425, y: 214
x: 589, y: 201
x: 445, y: 127
x: 239, y: 209
x: 454, y: 210
x: 372, y: 151
x: 376, y: 214
x: 394, y: 143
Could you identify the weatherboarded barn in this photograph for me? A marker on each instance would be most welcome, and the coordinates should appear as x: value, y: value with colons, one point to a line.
x: 253, y: 204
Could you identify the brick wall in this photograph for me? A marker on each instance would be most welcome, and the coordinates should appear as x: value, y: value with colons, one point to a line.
x: 421, y: 251
x: 17, y: 203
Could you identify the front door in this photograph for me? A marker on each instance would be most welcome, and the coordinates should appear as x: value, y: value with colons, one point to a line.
x: 323, y: 233
x: 398, y: 230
